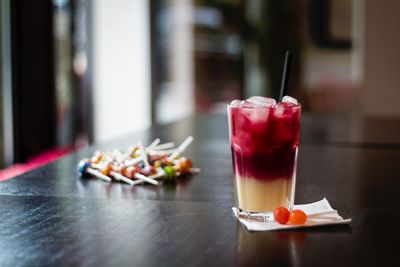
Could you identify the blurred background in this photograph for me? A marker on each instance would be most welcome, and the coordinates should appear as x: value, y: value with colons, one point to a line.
x: 74, y: 72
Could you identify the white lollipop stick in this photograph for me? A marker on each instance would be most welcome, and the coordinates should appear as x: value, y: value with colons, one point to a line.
x: 122, y: 178
x: 164, y: 146
x: 194, y: 170
x: 137, y: 182
x: 181, y: 148
x: 161, y: 152
x: 145, y: 179
x: 154, y: 143
x: 156, y: 176
x: 131, y: 162
x: 98, y: 174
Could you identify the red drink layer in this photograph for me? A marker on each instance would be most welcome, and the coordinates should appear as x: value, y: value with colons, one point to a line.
x: 264, y: 141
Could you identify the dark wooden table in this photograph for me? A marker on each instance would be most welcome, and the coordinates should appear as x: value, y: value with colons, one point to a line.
x: 52, y: 217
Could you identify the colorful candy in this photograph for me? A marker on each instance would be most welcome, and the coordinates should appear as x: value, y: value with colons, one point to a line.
x: 170, y: 173
x: 140, y: 164
x: 184, y: 165
x: 84, y: 167
x: 98, y: 155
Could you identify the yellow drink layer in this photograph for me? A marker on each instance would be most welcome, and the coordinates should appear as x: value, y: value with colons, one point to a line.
x: 256, y: 195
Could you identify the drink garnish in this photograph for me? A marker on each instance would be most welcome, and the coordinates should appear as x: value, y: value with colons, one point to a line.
x: 281, y: 215
x: 297, y: 217
x: 294, y: 217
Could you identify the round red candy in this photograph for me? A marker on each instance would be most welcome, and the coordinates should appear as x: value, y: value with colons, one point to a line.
x: 281, y: 215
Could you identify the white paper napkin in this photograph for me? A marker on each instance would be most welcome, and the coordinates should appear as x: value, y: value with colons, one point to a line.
x: 318, y: 213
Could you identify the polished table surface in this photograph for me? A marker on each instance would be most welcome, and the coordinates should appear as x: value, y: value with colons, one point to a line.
x: 53, y: 217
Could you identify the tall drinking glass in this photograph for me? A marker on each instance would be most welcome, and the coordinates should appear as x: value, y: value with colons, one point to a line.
x: 264, y: 141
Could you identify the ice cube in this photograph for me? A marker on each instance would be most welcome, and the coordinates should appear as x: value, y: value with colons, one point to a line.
x: 246, y: 104
x: 256, y: 116
x: 236, y: 103
x: 242, y: 103
x: 281, y: 110
x: 289, y: 99
x: 260, y: 101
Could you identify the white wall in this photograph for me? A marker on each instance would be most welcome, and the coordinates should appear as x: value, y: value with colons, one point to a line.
x: 176, y: 99
x: 381, y: 57
x: 121, y: 67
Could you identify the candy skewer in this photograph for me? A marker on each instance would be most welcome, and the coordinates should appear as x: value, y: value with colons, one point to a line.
x: 137, y: 182
x: 120, y: 177
x: 98, y: 174
x: 161, y: 152
x: 181, y: 148
x: 84, y: 167
x: 145, y: 179
x: 163, y: 146
x: 131, y: 162
x: 154, y: 143
x: 194, y: 170
x: 154, y: 177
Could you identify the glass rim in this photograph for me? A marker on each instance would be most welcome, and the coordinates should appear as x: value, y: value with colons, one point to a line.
x: 298, y: 105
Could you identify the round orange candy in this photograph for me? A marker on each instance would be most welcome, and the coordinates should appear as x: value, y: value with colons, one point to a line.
x: 185, y: 164
x: 297, y: 217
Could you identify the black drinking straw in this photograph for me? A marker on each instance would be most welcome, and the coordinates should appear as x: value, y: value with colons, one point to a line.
x: 285, y: 75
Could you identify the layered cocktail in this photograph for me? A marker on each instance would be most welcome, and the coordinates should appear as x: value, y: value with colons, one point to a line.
x: 264, y: 138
